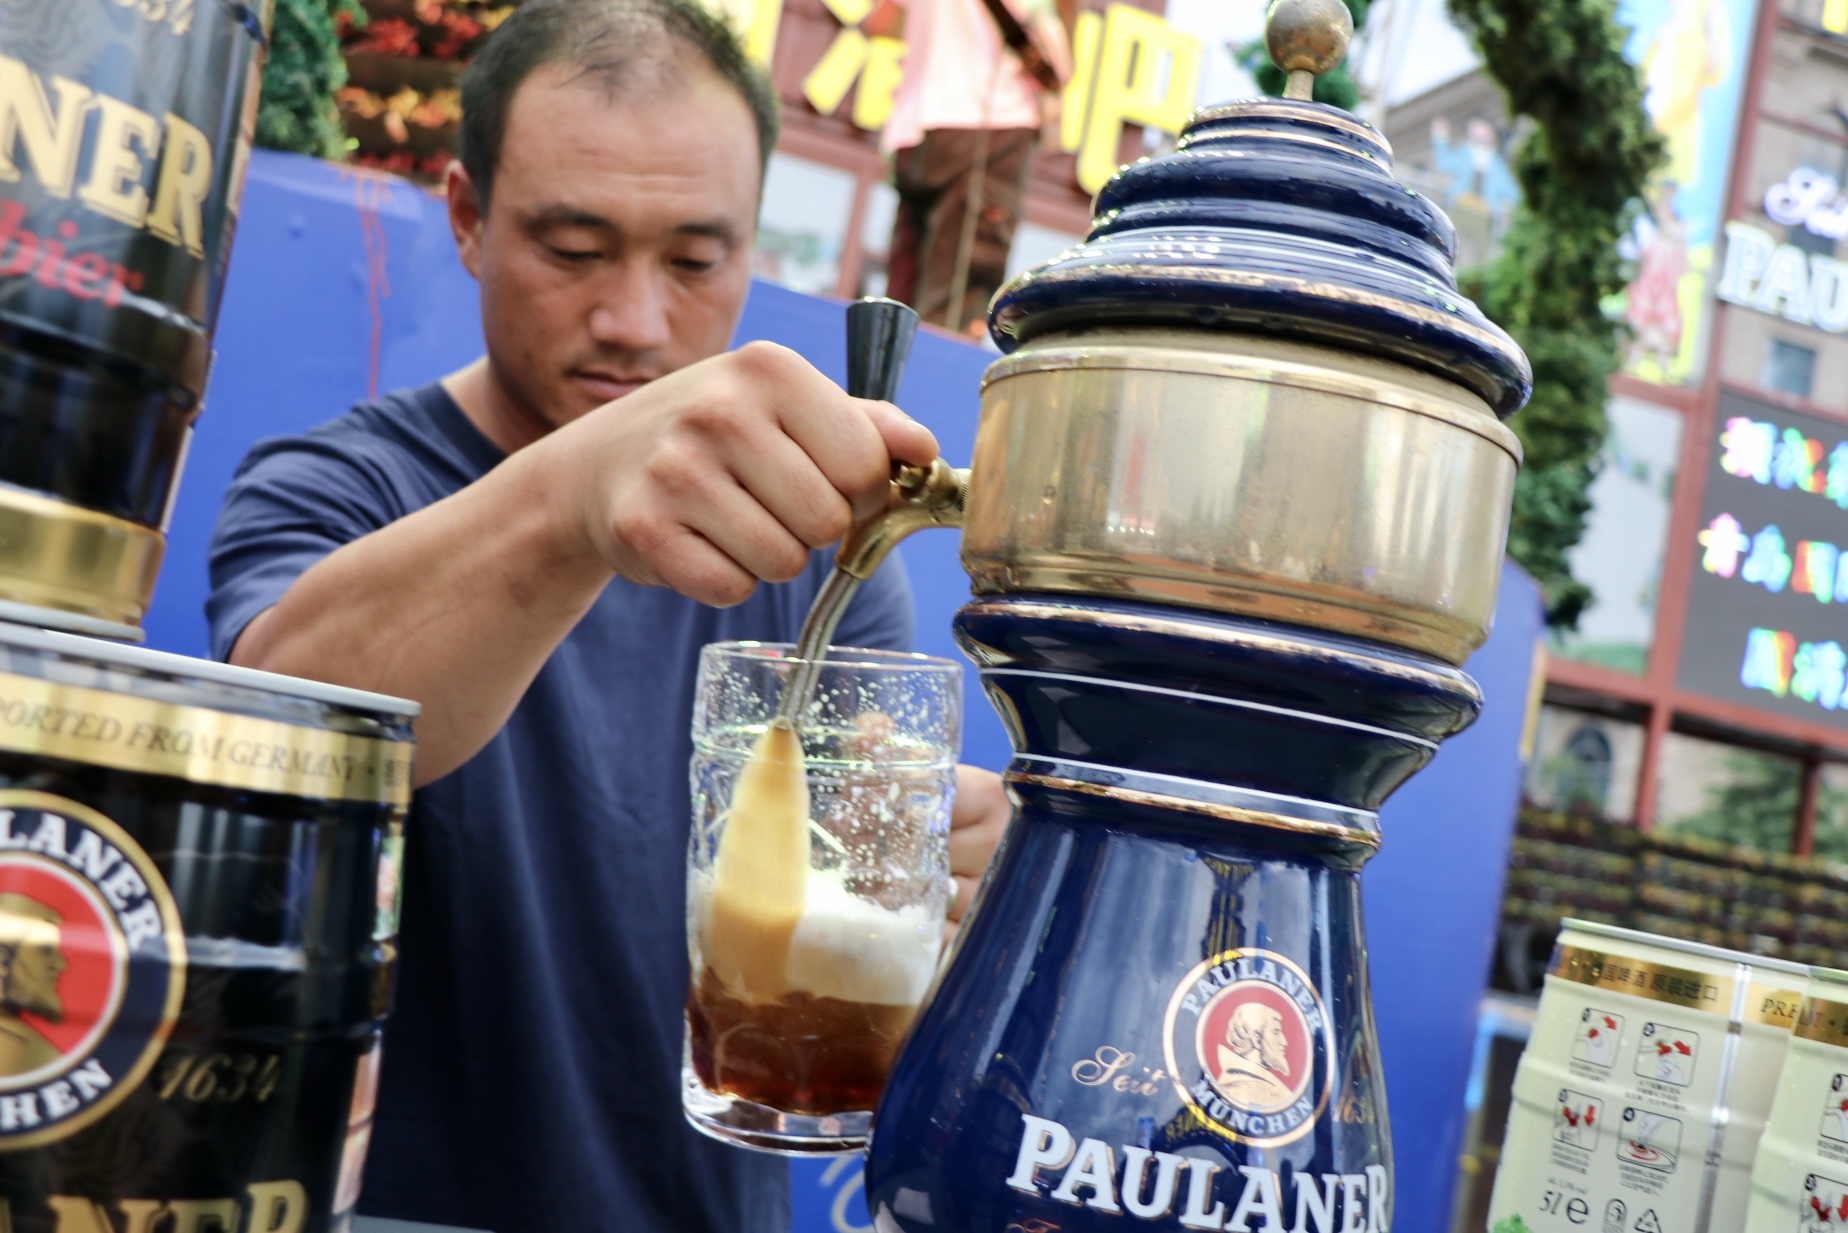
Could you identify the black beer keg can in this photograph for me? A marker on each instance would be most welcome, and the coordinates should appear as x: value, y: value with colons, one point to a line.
x: 125, y: 129
x: 198, y: 901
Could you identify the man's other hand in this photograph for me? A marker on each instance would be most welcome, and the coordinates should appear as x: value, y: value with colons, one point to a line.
x: 728, y: 472
x: 977, y: 818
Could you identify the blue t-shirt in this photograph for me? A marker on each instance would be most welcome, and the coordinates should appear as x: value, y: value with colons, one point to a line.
x: 531, y: 1077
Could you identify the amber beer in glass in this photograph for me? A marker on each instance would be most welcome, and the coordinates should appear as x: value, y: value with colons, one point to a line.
x: 792, y: 1025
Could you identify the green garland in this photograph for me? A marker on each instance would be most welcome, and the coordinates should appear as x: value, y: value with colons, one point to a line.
x: 300, y: 76
x: 1582, y: 173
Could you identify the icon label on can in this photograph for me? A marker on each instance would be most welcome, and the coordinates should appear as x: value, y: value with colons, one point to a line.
x: 1667, y: 1054
x: 92, y: 966
x: 1652, y: 1140
x: 1835, y: 1111
x: 1598, y: 1034
x: 1579, y: 1119
x: 1825, y: 1205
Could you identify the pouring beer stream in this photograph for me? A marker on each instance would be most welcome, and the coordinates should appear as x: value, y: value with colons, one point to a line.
x: 761, y: 878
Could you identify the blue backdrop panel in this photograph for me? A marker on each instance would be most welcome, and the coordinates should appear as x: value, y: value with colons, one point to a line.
x: 342, y: 284
x: 1433, y: 896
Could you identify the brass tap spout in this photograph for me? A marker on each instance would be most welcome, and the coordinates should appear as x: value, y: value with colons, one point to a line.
x: 879, y: 334
x: 920, y: 497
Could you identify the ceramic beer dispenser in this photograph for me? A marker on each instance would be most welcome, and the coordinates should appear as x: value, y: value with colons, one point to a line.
x: 1235, y: 516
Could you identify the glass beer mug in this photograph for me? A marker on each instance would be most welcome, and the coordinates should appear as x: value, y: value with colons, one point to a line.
x: 817, y: 885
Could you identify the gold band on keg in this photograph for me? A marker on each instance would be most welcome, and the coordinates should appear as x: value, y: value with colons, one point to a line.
x: 1654, y: 981
x: 102, y: 728
x: 1765, y: 1004
x: 1823, y: 1022
x: 1772, y: 1006
x: 57, y: 555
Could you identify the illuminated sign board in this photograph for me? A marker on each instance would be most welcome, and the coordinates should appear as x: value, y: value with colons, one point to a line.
x: 1767, y: 616
x: 1811, y: 200
x: 1782, y: 279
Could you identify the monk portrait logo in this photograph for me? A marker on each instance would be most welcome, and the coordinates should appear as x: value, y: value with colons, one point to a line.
x: 92, y: 966
x: 1247, y: 1044
x: 1254, y: 1044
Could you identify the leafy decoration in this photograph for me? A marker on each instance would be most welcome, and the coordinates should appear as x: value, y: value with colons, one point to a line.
x: 1583, y: 170
x: 303, y: 71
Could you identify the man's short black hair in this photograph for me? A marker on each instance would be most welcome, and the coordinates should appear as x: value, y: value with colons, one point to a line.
x: 618, y: 44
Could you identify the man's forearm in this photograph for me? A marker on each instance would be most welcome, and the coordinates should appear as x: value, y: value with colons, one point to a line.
x: 708, y: 480
x: 456, y: 606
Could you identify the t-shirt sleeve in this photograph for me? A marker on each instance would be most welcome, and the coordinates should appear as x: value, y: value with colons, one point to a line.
x: 291, y: 503
x: 880, y: 615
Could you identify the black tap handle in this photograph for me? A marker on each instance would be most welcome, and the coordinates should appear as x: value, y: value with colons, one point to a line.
x: 879, y: 334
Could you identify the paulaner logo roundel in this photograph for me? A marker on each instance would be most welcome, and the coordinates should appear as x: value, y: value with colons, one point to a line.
x: 1246, y: 1037
x: 92, y: 966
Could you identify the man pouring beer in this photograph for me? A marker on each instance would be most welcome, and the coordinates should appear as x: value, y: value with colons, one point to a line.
x: 535, y: 548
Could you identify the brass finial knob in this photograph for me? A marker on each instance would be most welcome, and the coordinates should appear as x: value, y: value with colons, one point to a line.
x: 1306, y: 38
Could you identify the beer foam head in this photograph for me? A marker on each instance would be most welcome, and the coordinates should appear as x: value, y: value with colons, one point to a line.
x: 850, y: 948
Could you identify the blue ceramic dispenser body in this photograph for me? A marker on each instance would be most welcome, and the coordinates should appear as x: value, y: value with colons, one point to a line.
x: 1158, y: 1015
x: 1068, y: 1071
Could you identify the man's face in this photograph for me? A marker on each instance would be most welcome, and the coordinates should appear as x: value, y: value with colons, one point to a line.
x: 1276, y: 1048
x: 617, y: 244
x: 32, y: 980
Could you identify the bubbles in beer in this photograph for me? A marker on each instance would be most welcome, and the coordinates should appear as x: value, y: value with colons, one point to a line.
x: 803, y: 988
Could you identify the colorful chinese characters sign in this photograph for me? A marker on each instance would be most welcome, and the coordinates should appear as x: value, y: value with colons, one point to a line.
x: 1767, y: 616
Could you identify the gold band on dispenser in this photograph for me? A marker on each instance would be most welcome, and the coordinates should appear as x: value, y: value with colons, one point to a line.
x: 57, y: 555
x: 1228, y: 813
x: 1823, y: 1022
x: 103, y: 728
x: 1654, y: 981
x: 1194, y: 468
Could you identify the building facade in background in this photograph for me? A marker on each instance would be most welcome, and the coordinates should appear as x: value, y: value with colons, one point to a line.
x: 1454, y: 144
x: 1689, y: 764
x: 828, y: 203
x: 1705, y: 691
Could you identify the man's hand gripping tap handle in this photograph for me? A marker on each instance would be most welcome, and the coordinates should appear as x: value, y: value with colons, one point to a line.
x: 879, y: 337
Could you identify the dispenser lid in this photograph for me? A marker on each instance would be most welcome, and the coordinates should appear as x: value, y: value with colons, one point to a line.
x: 1276, y: 216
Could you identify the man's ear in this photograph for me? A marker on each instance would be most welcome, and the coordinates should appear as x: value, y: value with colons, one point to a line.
x: 467, y: 217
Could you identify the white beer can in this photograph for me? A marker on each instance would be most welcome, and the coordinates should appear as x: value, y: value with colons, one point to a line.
x: 1645, y: 1086
x: 1800, y: 1183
